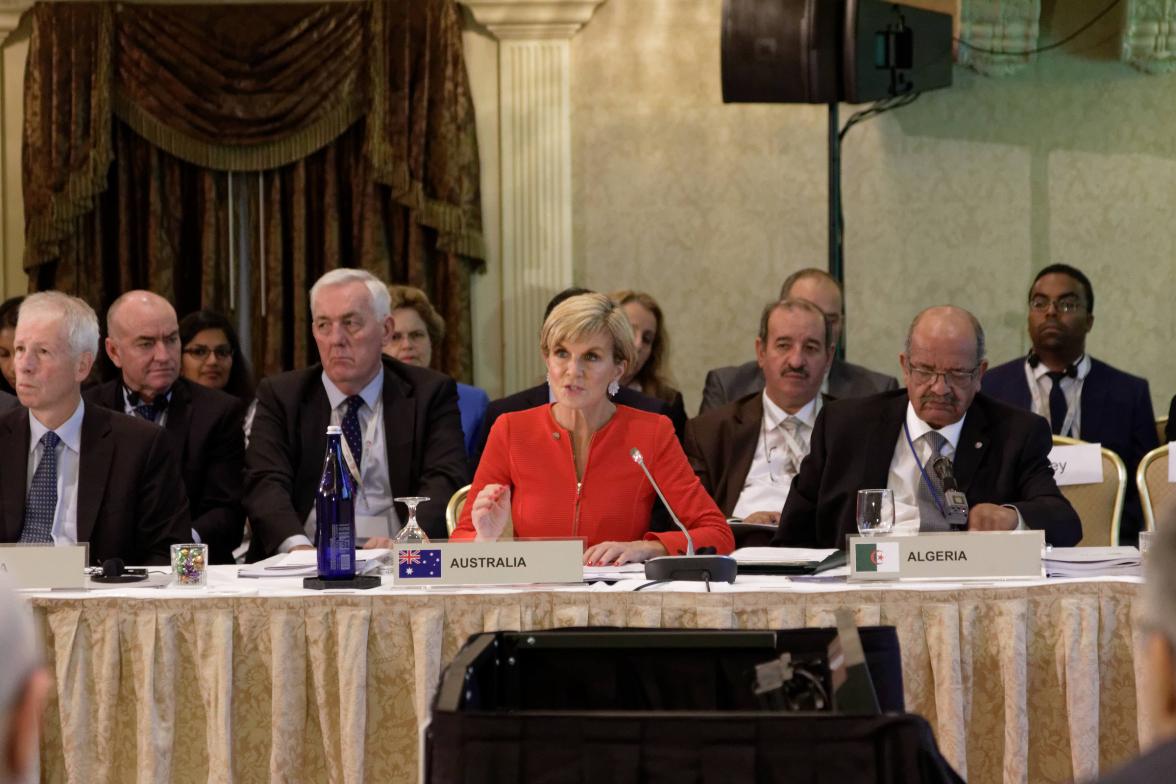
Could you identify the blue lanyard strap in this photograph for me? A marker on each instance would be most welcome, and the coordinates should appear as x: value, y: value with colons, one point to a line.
x: 926, y: 479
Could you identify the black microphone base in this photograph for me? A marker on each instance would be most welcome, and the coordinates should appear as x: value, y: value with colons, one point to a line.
x: 716, y: 568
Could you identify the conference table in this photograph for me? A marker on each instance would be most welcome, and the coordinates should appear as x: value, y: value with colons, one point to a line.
x: 252, y: 680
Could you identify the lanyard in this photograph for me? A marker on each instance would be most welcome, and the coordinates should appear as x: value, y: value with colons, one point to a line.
x: 369, y: 438
x: 1073, y: 404
x: 926, y: 479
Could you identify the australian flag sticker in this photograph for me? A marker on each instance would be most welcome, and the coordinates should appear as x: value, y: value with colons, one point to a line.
x: 420, y: 563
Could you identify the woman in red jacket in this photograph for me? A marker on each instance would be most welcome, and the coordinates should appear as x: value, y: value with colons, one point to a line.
x: 565, y: 469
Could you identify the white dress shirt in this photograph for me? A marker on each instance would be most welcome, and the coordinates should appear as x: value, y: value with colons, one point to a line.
x: 1040, y: 385
x: 768, y: 480
x: 375, y: 514
x: 69, y: 455
x: 904, y: 477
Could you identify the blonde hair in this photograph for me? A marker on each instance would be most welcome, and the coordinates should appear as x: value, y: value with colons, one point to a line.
x: 589, y: 314
x: 412, y: 297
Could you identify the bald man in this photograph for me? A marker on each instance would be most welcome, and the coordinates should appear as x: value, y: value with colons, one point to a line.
x: 24, y: 685
x: 999, y: 454
x: 203, y: 425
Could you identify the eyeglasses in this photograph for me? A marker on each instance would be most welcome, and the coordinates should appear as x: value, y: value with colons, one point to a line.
x: 1063, y: 305
x: 953, y: 378
x: 201, y: 352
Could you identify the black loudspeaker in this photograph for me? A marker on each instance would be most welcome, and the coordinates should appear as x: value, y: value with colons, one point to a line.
x: 782, y: 51
x: 821, y: 51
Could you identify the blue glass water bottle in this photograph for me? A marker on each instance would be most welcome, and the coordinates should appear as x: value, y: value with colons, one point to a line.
x: 334, y: 506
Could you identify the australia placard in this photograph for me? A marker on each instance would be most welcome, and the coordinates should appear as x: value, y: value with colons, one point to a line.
x: 489, y: 563
x: 965, y: 555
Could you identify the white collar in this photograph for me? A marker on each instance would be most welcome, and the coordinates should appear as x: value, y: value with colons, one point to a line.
x: 370, y: 393
x: 1083, y: 365
x: 70, y: 431
x: 918, y: 428
x: 774, y: 415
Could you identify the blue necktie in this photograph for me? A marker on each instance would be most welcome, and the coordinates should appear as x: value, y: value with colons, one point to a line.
x: 351, y: 428
x: 42, y: 501
x: 1057, y: 401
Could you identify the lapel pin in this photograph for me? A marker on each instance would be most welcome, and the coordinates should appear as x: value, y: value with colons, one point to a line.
x: 555, y: 435
x: 979, y: 444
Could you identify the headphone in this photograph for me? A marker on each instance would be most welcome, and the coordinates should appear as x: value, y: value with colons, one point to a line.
x: 114, y: 571
x: 1070, y: 371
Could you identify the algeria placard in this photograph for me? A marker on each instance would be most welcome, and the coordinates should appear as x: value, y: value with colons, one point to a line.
x: 489, y: 563
x: 955, y: 555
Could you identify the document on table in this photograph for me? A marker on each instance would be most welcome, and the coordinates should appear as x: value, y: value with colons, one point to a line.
x: 780, y: 555
x: 304, y: 563
x: 623, y: 572
x: 1091, y: 561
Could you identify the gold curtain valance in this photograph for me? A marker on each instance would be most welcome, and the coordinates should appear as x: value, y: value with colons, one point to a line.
x: 250, y: 88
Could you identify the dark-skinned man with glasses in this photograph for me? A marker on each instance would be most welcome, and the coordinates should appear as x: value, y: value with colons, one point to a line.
x: 999, y: 454
x: 1078, y: 395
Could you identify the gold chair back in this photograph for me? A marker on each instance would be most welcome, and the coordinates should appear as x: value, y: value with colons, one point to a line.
x: 1099, y: 506
x: 454, y: 507
x: 1153, y: 484
x: 457, y: 503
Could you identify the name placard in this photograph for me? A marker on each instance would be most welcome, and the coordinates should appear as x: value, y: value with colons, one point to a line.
x: 1077, y: 464
x: 489, y: 563
x: 956, y: 555
x: 45, y: 566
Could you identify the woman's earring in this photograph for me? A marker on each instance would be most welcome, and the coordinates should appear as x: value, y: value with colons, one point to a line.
x: 614, y: 388
x: 547, y: 379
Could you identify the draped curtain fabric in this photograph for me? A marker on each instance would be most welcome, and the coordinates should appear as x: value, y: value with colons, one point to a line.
x: 348, y: 128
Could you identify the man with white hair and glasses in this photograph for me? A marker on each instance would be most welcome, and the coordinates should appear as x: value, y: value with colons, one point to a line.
x: 78, y: 473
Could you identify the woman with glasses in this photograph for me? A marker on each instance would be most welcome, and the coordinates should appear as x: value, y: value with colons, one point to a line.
x: 416, y: 328
x: 211, y: 354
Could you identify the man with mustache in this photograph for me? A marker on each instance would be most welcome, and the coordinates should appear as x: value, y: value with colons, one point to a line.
x: 747, y: 452
x: 999, y: 454
x: 842, y: 379
x: 1078, y: 395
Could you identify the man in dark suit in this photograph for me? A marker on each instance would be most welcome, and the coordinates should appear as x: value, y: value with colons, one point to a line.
x: 81, y: 473
x: 1078, y: 395
x: 401, y: 426
x: 747, y: 453
x: 843, y: 380
x: 540, y: 395
x: 999, y: 454
x: 1158, y: 655
x: 203, y: 425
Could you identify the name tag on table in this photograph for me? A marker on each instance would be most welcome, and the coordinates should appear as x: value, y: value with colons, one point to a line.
x: 490, y: 563
x: 45, y: 566
x: 1077, y: 464
x: 957, y: 555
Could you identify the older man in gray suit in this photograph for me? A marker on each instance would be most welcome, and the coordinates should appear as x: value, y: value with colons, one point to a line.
x: 844, y: 378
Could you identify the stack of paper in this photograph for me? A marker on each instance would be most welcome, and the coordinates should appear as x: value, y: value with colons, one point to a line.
x: 749, y: 556
x: 1091, y: 561
x: 304, y: 563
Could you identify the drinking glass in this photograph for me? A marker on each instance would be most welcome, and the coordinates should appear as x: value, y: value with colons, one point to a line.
x: 411, y: 533
x: 875, y: 512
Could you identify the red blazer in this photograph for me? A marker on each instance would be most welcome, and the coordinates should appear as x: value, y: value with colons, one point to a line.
x: 532, y: 454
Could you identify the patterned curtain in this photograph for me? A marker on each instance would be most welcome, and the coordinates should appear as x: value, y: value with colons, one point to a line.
x: 349, y: 126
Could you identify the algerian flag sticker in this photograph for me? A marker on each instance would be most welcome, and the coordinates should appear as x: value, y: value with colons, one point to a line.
x: 876, y: 556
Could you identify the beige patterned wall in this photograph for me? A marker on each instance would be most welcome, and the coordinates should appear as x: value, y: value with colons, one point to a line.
x: 958, y: 198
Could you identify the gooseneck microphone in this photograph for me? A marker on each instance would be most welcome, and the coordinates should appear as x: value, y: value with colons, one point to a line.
x: 712, y: 568
x: 955, y: 501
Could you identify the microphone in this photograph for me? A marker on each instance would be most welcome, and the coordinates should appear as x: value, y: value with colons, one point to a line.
x: 719, y: 568
x: 115, y: 571
x: 956, y: 501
